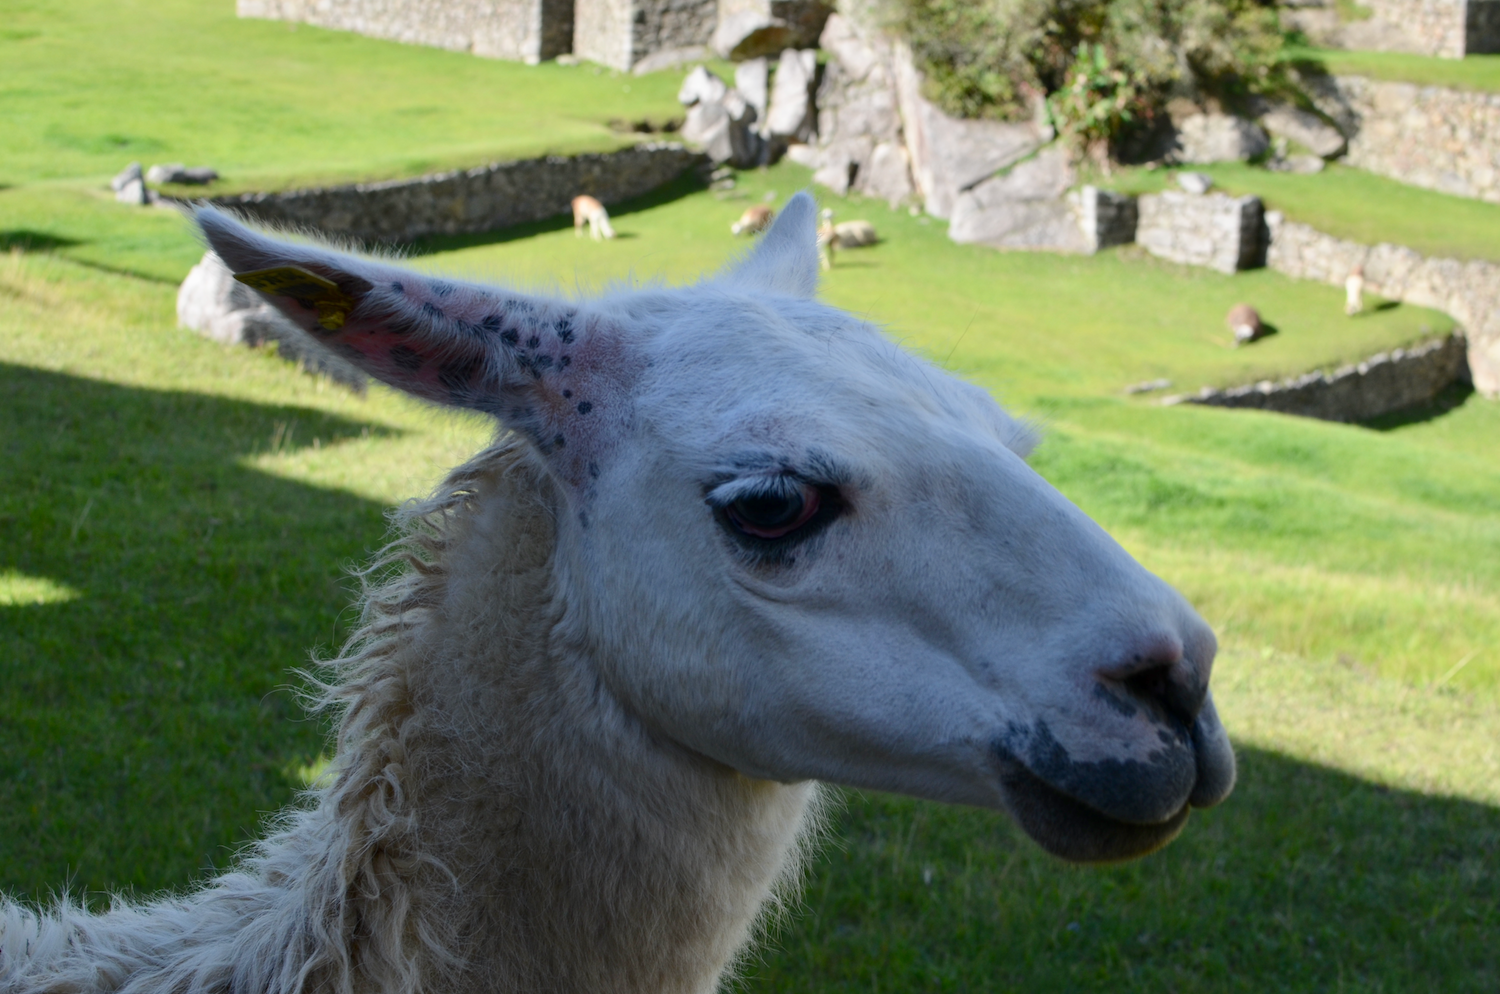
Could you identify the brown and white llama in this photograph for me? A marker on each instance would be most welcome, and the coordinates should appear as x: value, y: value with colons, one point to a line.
x: 728, y: 543
x: 587, y: 210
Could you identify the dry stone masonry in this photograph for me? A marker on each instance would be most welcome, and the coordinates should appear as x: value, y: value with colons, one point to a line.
x: 471, y: 200
x: 1382, y: 384
x: 1468, y: 291
x: 523, y: 30
x: 1446, y: 28
x: 1210, y: 229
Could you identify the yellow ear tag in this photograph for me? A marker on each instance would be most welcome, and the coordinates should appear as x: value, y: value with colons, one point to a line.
x: 333, y: 305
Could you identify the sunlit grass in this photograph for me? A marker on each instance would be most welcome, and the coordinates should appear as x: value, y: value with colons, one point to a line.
x: 18, y: 589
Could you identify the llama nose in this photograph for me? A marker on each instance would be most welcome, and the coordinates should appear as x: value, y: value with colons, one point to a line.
x: 1165, y: 674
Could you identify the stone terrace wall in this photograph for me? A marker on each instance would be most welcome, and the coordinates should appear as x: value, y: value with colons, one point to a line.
x: 524, y: 30
x: 1448, y: 29
x: 474, y: 200
x: 1469, y: 291
x: 1429, y: 136
x: 1213, y: 230
x: 1384, y: 383
x: 619, y: 33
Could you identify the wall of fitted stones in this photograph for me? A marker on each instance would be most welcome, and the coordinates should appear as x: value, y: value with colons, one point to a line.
x: 474, y: 200
x: 619, y: 33
x: 1384, y: 383
x: 523, y: 30
x: 1468, y: 291
x: 1428, y: 136
x: 1444, y: 28
x: 1213, y: 230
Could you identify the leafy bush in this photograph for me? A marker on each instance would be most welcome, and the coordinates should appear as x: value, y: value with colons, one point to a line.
x: 1103, y: 64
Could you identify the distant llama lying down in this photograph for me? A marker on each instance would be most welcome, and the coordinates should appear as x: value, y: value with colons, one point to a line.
x: 728, y: 543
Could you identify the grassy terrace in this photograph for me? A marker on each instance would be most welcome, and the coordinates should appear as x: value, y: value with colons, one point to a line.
x: 175, y: 517
x: 1476, y: 72
x: 1354, y: 204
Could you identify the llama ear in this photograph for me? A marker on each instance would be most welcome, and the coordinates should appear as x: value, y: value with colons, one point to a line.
x: 786, y: 259
x: 547, y: 369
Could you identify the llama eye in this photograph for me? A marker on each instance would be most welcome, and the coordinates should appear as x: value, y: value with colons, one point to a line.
x: 774, y: 515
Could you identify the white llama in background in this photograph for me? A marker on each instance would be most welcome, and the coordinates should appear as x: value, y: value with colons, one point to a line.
x: 587, y: 210
x: 729, y: 542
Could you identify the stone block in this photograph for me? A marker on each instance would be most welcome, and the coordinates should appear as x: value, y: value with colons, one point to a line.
x: 1304, y: 128
x: 1105, y: 217
x: 523, y: 30
x: 791, y: 116
x: 623, y: 33
x: 1213, y: 230
x: 1023, y: 209
x: 1206, y: 138
x: 748, y: 29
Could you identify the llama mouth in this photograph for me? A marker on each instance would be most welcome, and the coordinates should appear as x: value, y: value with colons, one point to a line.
x: 1071, y: 830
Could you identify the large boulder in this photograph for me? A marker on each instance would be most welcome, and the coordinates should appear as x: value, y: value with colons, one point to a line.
x: 1025, y: 208
x: 749, y: 29
x: 217, y: 306
x: 752, y: 79
x: 719, y: 120
x: 949, y: 155
x: 791, y: 117
x: 1205, y: 138
x: 1305, y: 128
x: 859, y: 143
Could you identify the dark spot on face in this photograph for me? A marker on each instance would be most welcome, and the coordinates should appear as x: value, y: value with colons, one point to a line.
x: 559, y: 441
x: 564, y: 329
x: 567, y: 394
x: 432, y: 310
x: 398, y: 288
x: 490, y: 323
x: 406, y: 358
x: 564, y: 362
x: 594, y: 470
x: 543, y: 362
x: 442, y: 289
x: 533, y: 341
x: 584, y: 407
x: 509, y: 337
x: 523, y: 306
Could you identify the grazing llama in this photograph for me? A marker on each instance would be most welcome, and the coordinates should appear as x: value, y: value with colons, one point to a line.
x: 729, y: 542
x: 588, y: 210
x: 755, y: 219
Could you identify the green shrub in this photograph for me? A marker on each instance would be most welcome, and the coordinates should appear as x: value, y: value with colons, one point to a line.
x: 1103, y: 64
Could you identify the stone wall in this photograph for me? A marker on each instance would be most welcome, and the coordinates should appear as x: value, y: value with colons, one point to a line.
x: 473, y: 200
x: 620, y: 33
x: 1213, y: 229
x: 1382, y: 384
x: 1446, y: 28
x: 524, y: 30
x: 1468, y: 291
x: 1429, y: 136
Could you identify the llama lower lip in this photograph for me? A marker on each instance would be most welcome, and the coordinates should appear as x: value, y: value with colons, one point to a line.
x: 1074, y: 831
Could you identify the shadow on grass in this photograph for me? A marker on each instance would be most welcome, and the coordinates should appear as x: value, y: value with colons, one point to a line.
x: 145, y: 724
x: 1453, y: 396
x: 688, y: 183
x: 1306, y: 879
x: 25, y: 240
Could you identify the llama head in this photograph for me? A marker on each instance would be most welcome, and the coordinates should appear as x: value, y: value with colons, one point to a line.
x: 801, y: 552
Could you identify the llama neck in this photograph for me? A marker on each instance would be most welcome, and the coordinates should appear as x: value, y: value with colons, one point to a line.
x: 578, y: 851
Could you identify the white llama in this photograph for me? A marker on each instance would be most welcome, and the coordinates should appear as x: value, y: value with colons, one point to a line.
x: 729, y: 542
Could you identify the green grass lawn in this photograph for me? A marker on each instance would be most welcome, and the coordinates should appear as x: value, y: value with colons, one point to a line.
x: 1352, y: 204
x: 1475, y: 72
x: 176, y: 517
x: 88, y: 85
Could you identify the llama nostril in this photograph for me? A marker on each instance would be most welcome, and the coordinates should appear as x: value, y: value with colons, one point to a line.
x: 1160, y: 676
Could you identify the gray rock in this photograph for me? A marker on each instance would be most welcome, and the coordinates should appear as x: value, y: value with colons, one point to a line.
x: 887, y: 174
x: 842, y: 40
x: 217, y: 306
x: 133, y: 192
x: 791, y: 114
x: 1305, y: 128
x: 1205, y: 138
x: 176, y: 172
x: 725, y: 130
x: 1197, y: 183
x: 1213, y: 230
x: 1022, y: 209
x: 199, y: 175
x: 130, y: 174
x: 748, y: 29
x: 1106, y: 218
x: 948, y: 155
x: 752, y: 79
x: 701, y: 85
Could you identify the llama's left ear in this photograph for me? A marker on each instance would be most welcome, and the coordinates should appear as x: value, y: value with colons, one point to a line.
x: 786, y: 258
x: 555, y: 372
